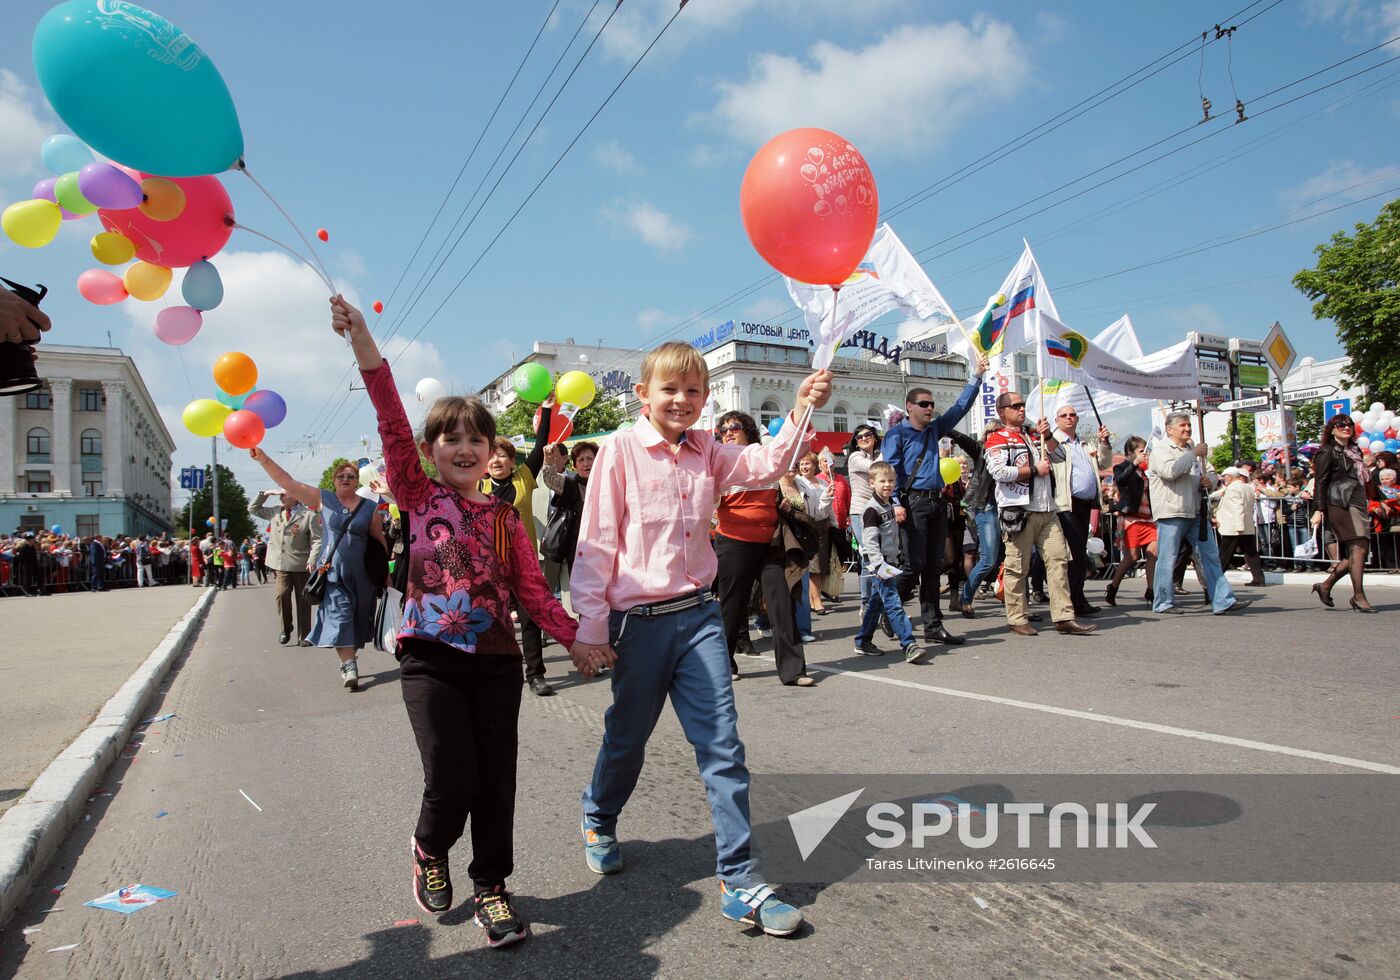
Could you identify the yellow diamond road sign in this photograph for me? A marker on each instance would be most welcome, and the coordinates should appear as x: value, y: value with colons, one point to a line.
x: 1279, y: 351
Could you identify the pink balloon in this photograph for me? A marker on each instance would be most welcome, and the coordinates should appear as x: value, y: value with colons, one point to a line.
x: 101, y: 287
x: 197, y: 233
x: 178, y: 325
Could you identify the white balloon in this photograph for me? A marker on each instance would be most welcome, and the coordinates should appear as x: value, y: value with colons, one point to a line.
x: 1375, y: 409
x: 1095, y: 546
x: 1363, y: 442
x: 429, y: 390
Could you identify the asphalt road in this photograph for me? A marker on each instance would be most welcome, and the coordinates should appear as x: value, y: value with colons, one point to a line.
x: 315, y: 882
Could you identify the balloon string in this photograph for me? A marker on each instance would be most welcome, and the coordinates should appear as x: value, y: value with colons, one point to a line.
x: 289, y: 250
x: 325, y: 273
x: 807, y: 412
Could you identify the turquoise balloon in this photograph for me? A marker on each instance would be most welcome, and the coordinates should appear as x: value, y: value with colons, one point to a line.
x: 234, y: 402
x: 136, y: 88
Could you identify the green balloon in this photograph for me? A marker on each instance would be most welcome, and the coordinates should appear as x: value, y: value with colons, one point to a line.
x: 65, y: 190
x: 533, y: 382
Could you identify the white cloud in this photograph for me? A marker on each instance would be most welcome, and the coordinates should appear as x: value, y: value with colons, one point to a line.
x: 766, y: 308
x: 654, y: 226
x: 614, y: 156
x: 1051, y: 27
x: 639, y: 21
x: 902, y: 93
x: 653, y: 319
x: 22, y: 129
x: 1343, y: 180
x: 274, y: 311
x: 1359, y: 19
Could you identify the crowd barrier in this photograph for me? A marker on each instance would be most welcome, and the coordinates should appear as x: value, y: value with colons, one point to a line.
x: 77, y: 575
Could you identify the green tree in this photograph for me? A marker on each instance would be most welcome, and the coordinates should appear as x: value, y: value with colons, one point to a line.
x: 233, y: 507
x: 327, y: 476
x: 604, y: 415
x: 1357, y: 285
x: 1223, y: 455
x: 1307, y: 420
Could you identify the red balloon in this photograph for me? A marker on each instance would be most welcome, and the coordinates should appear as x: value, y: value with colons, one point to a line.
x: 322, y: 234
x: 809, y: 204
x: 560, y: 428
x: 244, y: 429
x: 196, y: 233
x: 378, y: 307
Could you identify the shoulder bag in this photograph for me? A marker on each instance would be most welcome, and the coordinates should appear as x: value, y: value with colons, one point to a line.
x: 315, y: 589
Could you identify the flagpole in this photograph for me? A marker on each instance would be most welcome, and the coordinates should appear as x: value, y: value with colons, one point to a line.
x: 807, y: 413
x: 1088, y: 391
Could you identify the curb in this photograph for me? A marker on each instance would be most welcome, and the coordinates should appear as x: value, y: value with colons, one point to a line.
x: 33, y: 828
x: 1241, y: 577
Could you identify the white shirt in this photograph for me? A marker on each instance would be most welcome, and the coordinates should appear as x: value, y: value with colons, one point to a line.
x: 1083, y: 475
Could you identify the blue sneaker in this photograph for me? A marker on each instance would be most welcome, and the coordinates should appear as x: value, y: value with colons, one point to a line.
x: 601, y: 852
x: 758, y: 906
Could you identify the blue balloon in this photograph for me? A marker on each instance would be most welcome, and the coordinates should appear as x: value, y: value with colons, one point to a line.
x: 202, y: 287
x: 136, y: 88
x: 268, y: 406
x: 63, y: 153
x: 56, y: 529
x: 234, y: 402
x: 1393, y: 445
x: 775, y: 426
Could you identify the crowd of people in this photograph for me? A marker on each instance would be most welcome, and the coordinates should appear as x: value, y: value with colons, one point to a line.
x: 40, y: 563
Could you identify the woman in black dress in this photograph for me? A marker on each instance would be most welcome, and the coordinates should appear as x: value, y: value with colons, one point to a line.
x: 1341, y: 488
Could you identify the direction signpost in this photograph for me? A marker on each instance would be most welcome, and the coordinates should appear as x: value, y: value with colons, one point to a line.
x: 1261, y: 403
x: 1304, y: 395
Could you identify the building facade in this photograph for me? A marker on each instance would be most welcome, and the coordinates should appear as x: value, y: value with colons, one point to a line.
x: 88, y: 451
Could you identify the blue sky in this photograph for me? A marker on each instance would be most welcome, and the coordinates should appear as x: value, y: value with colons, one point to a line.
x: 358, y: 120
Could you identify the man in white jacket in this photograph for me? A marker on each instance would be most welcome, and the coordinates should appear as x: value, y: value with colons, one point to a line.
x: 1178, y: 476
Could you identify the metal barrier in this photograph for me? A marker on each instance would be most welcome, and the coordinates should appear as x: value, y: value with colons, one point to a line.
x: 76, y: 576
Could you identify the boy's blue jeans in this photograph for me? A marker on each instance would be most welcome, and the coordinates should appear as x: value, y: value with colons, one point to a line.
x: 884, y: 598
x: 681, y: 655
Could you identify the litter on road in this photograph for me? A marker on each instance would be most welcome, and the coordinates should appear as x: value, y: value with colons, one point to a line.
x: 27, y: 930
x: 163, y: 813
x: 165, y: 717
x: 64, y: 949
x: 407, y: 922
x: 980, y: 904
x: 132, y: 898
x: 250, y: 800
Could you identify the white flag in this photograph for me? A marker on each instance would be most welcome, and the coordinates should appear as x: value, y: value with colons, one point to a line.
x: 1118, y: 339
x: 889, y: 278
x: 1015, y: 323
x: 1169, y: 374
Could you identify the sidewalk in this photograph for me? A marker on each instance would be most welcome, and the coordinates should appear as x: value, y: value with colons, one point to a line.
x: 63, y: 657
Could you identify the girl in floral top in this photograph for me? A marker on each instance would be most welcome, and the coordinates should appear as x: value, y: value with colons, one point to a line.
x: 468, y: 553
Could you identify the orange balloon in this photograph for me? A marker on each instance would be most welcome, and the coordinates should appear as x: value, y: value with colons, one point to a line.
x: 235, y: 373
x: 164, y: 200
x: 810, y: 206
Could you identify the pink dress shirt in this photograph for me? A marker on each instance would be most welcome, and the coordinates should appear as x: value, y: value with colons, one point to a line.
x: 645, y: 533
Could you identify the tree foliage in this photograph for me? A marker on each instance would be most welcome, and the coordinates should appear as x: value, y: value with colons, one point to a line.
x: 328, y: 475
x: 1356, y: 283
x: 1224, y: 455
x: 233, y: 507
x: 604, y: 415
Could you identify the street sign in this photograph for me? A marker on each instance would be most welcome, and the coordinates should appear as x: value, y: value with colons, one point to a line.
x: 1303, y: 395
x: 1259, y: 404
x: 1213, y: 372
x: 1273, y: 430
x: 1335, y: 406
x: 1212, y: 397
x: 192, y: 478
x: 1253, y: 375
x: 1279, y: 351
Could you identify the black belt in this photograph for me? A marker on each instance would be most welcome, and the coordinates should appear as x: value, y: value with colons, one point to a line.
x: 924, y: 493
x: 688, y: 601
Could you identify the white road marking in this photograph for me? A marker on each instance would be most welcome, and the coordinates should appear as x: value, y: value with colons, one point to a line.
x: 1146, y: 726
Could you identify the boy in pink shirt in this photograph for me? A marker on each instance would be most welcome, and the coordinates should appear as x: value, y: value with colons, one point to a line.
x: 641, y: 587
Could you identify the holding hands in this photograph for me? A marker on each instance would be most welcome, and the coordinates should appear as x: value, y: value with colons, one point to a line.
x: 589, y: 658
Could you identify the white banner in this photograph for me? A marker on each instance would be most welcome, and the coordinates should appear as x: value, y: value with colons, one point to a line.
x: 1118, y: 339
x: 889, y: 279
x: 1166, y: 375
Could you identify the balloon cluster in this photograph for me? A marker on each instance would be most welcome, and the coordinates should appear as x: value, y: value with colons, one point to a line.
x: 1377, y: 429
x: 240, y: 411
x: 156, y: 200
x: 574, y: 392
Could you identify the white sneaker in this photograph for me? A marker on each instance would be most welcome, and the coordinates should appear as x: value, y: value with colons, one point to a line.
x: 350, y: 673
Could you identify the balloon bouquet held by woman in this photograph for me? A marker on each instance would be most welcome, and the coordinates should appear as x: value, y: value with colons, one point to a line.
x: 1342, y: 487
x: 468, y: 556
x: 345, y: 618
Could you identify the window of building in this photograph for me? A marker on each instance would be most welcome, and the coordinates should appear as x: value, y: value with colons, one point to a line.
x: 90, y: 443
x: 840, y: 419
x: 38, y: 399
x: 944, y: 370
x: 876, y: 415
x: 88, y: 525
x: 36, y: 446
x: 38, y: 483
x: 92, y: 488
x: 1024, y: 365
x: 770, y: 411
x: 89, y: 399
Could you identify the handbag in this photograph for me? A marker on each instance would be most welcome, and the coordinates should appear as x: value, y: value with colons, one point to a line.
x: 1309, y: 548
x: 315, y: 588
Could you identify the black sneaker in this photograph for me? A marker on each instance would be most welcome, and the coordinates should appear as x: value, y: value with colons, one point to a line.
x: 432, y: 885
x: 495, y: 915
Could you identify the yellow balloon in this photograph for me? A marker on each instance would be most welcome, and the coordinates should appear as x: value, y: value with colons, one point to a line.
x: 576, y: 388
x: 950, y: 469
x: 205, y: 417
x: 32, y: 224
x: 112, y: 248
x: 146, y: 281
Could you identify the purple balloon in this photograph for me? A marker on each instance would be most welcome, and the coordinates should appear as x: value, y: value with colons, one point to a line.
x: 107, y: 187
x: 268, y: 406
x: 44, y: 191
x: 178, y: 325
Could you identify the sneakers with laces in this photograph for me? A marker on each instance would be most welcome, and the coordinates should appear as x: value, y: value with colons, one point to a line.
x: 600, y: 852
x: 867, y: 649
x: 432, y: 885
x: 760, y: 907
x: 913, y: 653
x: 495, y: 914
x: 350, y: 674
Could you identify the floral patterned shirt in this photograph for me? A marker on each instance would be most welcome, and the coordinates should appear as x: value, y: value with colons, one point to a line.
x: 465, y: 558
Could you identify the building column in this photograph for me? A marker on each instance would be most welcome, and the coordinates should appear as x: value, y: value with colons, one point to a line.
x: 61, y: 393
x: 9, y: 449
x: 114, y: 441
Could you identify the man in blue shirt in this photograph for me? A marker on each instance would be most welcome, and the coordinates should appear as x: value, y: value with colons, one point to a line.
x: 911, y: 447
